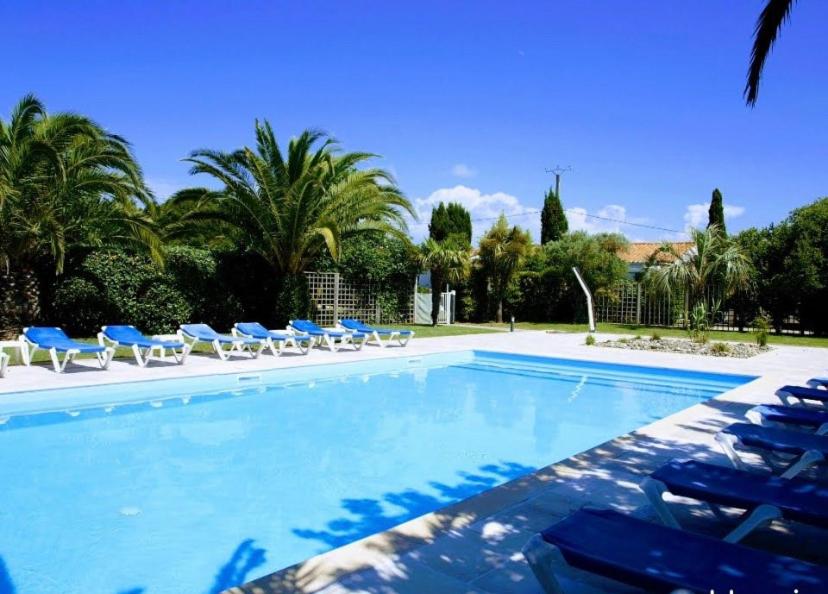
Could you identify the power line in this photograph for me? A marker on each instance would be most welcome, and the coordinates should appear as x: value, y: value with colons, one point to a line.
x: 585, y: 214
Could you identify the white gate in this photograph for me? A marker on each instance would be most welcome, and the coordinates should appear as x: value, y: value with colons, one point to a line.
x: 422, y: 308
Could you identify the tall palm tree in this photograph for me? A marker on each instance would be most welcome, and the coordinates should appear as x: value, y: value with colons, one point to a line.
x: 64, y: 181
x: 715, y: 263
x: 502, y: 252
x: 449, y: 262
x: 291, y: 206
x: 775, y: 14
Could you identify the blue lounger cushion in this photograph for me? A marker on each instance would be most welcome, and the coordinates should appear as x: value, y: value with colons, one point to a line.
x: 793, y: 415
x: 805, y: 393
x: 662, y: 559
x: 256, y: 330
x: 55, y: 338
x: 130, y: 335
x: 358, y: 326
x: 204, y: 333
x: 777, y: 440
x: 310, y: 328
x: 798, y: 499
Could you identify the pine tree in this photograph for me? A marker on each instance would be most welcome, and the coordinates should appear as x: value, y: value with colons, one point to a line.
x: 716, y: 213
x: 553, y: 219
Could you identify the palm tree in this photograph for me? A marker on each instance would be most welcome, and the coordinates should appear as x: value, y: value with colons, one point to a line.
x: 502, y: 252
x: 716, y: 263
x: 775, y: 14
x: 291, y: 206
x: 449, y: 262
x: 64, y: 181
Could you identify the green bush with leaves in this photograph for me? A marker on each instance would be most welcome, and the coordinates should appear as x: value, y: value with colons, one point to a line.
x: 761, y: 326
x: 553, y: 292
x: 117, y: 288
x: 698, y: 322
x: 388, y: 264
x: 720, y: 348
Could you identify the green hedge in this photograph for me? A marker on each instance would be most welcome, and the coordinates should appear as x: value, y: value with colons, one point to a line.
x: 195, y: 285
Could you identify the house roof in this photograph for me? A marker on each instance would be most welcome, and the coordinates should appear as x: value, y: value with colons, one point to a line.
x: 641, y: 251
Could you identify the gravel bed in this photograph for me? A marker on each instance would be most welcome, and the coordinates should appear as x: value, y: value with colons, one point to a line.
x: 740, y: 350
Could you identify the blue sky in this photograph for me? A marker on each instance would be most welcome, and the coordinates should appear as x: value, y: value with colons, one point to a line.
x: 464, y: 100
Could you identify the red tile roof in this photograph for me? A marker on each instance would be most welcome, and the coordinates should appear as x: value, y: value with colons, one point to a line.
x: 640, y: 252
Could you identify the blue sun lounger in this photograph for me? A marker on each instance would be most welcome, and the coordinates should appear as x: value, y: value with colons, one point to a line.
x: 763, y: 497
x: 818, y: 382
x: 274, y: 340
x: 203, y: 333
x: 55, y: 340
x: 142, y: 346
x: 810, y: 419
x: 785, y: 452
x: 376, y: 334
x: 661, y: 559
x: 802, y: 395
x: 331, y: 338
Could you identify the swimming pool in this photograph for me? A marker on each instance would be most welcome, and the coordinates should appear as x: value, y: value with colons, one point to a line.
x: 198, y: 484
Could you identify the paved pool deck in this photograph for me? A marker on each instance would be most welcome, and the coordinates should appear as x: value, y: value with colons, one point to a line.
x: 474, y: 546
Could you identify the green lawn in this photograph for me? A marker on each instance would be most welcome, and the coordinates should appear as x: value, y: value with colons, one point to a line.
x: 423, y: 331
x: 789, y: 339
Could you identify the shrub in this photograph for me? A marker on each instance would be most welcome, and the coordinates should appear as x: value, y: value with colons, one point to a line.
x: 590, y: 340
x: 761, y: 327
x: 720, y: 348
x: 80, y: 306
x: 637, y: 337
x: 655, y: 336
x: 116, y: 287
x: 698, y: 323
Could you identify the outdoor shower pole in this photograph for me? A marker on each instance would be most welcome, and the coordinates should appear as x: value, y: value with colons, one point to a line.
x: 588, y: 299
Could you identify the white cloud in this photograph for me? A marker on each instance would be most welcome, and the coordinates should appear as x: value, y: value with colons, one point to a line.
x: 731, y: 212
x: 463, y: 170
x: 580, y: 220
x: 696, y: 215
x: 484, y: 209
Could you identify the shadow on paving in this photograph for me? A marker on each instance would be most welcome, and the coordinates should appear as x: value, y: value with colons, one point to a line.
x: 481, y: 554
x: 369, y: 516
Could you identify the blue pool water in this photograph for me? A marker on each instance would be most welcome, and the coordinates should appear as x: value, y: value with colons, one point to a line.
x: 199, y: 484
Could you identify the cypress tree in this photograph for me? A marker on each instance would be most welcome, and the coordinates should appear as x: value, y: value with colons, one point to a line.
x: 553, y: 219
x: 450, y: 221
x: 715, y: 216
x: 438, y: 227
x: 460, y: 222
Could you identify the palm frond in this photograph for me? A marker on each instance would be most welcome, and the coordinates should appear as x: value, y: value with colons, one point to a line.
x: 770, y: 22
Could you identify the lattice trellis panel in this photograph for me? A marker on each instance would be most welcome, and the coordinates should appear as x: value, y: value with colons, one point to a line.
x: 630, y: 303
x: 334, y: 297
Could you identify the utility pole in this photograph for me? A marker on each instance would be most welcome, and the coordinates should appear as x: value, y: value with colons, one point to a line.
x: 558, y: 171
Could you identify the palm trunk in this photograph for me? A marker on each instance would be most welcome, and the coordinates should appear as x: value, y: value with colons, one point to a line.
x: 500, y: 311
x: 9, y: 322
x: 29, y: 296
